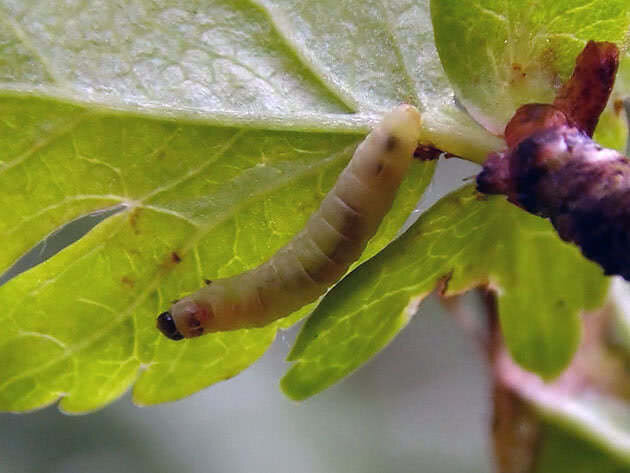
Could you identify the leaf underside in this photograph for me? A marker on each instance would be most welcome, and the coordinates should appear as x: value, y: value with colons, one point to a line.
x: 199, y: 202
x: 542, y: 285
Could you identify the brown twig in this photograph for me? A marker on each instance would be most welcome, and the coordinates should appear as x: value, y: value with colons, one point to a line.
x: 554, y: 169
x: 515, y: 427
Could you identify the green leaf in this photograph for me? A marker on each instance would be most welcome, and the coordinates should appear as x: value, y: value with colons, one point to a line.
x: 379, y: 52
x: 502, y: 54
x: 217, y: 127
x: 542, y: 284
x: 216, y: 196
x: 612, y: 129
x: 596, y: 418
x: 560, y: 452
x: 622, y: 84
x: 590, y: 399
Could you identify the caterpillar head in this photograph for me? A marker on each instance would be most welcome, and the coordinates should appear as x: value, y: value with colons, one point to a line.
x: 185, y: 319
x: 166, y: 325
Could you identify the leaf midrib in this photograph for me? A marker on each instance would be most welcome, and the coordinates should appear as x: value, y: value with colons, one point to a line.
x: 315, y: 122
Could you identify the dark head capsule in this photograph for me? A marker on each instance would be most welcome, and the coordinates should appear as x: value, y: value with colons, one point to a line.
x: 166, y: 324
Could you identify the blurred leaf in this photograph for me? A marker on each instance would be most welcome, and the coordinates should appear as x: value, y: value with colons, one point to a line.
x: 590, y: 398
x: 560, y: 452
x: 500, y: 55
x: 620, y: 298
x: 542, y: 284
x: 623, y: 76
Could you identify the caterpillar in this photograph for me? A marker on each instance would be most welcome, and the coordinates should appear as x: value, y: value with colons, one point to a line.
x: 333, y: 238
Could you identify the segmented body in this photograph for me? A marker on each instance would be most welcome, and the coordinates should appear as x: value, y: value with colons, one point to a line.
x: 334, y: 237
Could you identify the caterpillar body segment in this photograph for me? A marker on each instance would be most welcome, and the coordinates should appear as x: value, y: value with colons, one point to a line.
x: 333, y: 238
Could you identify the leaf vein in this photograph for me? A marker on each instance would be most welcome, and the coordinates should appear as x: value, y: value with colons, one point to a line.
x: 283, y: 27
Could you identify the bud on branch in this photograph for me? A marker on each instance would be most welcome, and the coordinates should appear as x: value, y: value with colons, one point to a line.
x: 552, y: 167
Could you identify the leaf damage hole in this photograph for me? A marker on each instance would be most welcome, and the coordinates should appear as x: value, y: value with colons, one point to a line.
x: 58, y: 240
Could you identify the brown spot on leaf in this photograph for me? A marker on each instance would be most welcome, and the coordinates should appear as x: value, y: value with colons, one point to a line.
x: 442, y: 284
x: 175, y: 258
x: 547, y: 62
x: 127, y: 281
x: 518, y: 74
x: 133, y: 220
x: 618, y: 106
x: 207, y: 282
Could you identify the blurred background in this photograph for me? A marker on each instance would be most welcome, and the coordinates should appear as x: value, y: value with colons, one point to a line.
x: 421, y: 405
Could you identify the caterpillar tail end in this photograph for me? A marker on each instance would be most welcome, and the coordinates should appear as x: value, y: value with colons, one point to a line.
x: 166, y: 325
x: 404, y: 123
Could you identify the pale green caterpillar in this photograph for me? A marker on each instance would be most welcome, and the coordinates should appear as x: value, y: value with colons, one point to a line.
x: 334, y: 237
